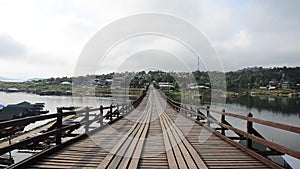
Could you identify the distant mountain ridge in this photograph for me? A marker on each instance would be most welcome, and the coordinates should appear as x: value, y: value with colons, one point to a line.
x: 34, y: 79
x: 5, y: 79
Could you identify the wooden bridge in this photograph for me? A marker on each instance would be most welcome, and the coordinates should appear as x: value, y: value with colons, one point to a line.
x: 152, y: 132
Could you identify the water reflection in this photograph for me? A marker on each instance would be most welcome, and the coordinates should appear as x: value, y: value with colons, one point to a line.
x: 52, y: 102
x: 285, y: 106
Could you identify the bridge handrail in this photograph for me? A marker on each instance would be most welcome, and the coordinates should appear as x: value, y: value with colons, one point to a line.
x: 57, y: 131
x: 31, y: 119
x: 35, y: 139
x: 282, y: 126
x: 247, y: 135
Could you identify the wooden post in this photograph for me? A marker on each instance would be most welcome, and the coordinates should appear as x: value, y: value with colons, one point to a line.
x: 9, y: 142
x: 87, y: 118
x: 118, y: 112
x: 122, y: 109
x: 59, y: 125
x: 223, y: 121
x: 125, y: 108
x: 207, y: 115
x: 101, y: 115
x: 111, y: 112
x: 250, y: 131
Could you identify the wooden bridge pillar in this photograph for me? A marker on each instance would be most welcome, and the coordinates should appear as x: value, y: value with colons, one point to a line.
x: 101, y: 115
x: 118, y: 111
x: 125, y: 108
x: 207, y: 115
x: 224, y: 122
x: 250, y: 131
x: 198, y: 111
x: 87, y: 118
x: 111, y: 112
x: 58, y: 125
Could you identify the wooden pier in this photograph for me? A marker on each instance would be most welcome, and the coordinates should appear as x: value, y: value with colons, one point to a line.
x: 154, y: 135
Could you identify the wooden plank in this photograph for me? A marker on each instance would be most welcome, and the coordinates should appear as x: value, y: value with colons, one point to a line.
x: 153, y: 153
x: 171, y: 158
x: 137, y: 154
x: 196, y: 158
x: 116, y: 148
x: 182, y: 151
x: 233, y: 143
x: 177, y: 153
x: 134, y: 142
x: 127, y: 149
x: 185, y: 154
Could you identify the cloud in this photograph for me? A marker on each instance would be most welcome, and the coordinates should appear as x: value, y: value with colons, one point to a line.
x: 9, y: 47
x: 245, y: 33
x: 263, y: 33
x: 152, y: 60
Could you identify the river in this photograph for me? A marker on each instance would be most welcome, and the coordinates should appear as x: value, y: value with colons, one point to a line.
x: 283, y: 110
x: 278, y: 109
x: 51, y: 103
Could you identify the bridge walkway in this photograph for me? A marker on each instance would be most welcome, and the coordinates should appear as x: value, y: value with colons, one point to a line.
x: 152, y: 136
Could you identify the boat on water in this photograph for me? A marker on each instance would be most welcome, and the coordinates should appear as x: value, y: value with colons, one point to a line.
x: 20, y: 110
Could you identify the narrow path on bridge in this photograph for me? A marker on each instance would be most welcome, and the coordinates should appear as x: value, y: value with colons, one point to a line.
x: 151, y: 136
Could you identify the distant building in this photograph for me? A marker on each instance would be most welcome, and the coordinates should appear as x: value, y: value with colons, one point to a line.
x: 193, y: 86
x: 272, y: 88
x: 66, y: 83
x: 166, y: 85
x: 19, y: 110
x: 109, y: 80
x: 12, y: 90
x: 285, y: 84
x: 117, y: 82
x: 263, y: 88
x: 273, y: 82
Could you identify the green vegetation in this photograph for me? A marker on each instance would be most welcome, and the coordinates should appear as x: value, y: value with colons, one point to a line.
x: 261, y: 81
x: 174, y: 95
x: 52, y: 85
x: 252, y: 78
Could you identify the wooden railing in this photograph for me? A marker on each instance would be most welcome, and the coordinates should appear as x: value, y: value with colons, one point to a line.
x: 250, y: 135
x: 105, y: 116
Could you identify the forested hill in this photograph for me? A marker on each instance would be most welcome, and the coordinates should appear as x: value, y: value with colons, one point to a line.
x: 245, y: 80
x: 251, y: 78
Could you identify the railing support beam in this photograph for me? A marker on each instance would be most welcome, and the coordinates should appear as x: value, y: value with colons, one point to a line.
x: 59, y: 125
x: 101, y: 115
x: 111, y: 112
x: 207, y: 115
x: 223, y: 121
x: 250, y: 131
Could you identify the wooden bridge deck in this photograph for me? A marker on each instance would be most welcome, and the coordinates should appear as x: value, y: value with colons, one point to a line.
x: 151, y: 136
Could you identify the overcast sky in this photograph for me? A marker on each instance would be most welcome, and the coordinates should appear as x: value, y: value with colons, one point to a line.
x: 45, y: 38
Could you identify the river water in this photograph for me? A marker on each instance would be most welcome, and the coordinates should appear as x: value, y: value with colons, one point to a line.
x: 51, y: 103
x: 282, y: 110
